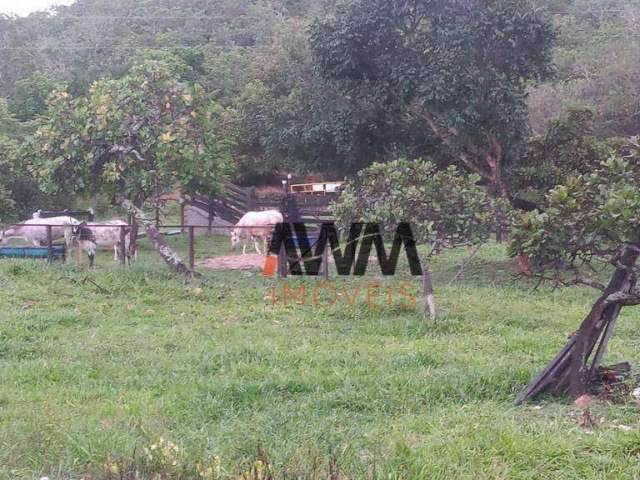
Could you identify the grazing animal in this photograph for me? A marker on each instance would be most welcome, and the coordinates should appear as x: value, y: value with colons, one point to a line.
x: 88, y: 236
x: 37, y: 235
x: 260, y: 225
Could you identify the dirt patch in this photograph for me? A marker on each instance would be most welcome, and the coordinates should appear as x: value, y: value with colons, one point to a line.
x: 233, y: 262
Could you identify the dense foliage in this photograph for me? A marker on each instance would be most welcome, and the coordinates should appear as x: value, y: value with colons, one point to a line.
x: 446, y: 208
x: 320, y: 87
x: 462, y: 68
x: 567, y: 148
x: 591, y: 219
x: 139, y: 135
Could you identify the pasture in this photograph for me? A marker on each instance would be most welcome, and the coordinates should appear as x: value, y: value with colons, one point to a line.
x: 97, y: 365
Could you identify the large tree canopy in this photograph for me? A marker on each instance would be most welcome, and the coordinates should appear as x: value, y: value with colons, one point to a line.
x: 461, y: 67
x: 135, y: 136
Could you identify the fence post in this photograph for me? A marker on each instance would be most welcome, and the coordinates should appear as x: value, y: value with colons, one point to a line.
x: 210, y: 212
x: 182, y: 208
x: 325, y: 262
x: 49, y: 244
x: 251, y: 200
x: 192, y: 256
x: 282, y: 262
x: 123, y: 245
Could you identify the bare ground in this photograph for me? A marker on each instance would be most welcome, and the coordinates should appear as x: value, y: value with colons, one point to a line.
x: 233, y: 262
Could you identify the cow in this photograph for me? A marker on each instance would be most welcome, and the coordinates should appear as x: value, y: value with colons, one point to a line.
x: 32, y: 231
x: 89, y: 235
x: 254, y: 225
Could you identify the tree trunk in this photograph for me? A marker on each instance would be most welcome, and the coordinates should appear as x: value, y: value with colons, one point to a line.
x: 170, y: 257
x: 569, y: 371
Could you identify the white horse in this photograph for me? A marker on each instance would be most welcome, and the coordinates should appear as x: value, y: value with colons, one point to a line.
x: 256, y: 225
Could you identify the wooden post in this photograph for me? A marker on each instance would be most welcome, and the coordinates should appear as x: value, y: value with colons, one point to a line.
x: 49, y: 244
x: 192, y: 255
x: 427, y: 293
x: 157, y: 213
x: 325, y: 261
x: 210, y: 216
x: 133, y: 235
x: 282, y: 262
x: 251, y: 200
x: 182, y: 208
x: 123, y: 245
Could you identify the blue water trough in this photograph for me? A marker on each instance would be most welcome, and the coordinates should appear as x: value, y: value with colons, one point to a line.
x: 57, y: 251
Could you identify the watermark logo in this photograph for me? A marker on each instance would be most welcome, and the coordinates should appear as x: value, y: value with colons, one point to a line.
x: 325, y: 294
x: 305, y: 252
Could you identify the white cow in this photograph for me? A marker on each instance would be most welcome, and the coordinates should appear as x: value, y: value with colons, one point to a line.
x: 37, y: 235
x: 89, y: 235
x: 257, y: 225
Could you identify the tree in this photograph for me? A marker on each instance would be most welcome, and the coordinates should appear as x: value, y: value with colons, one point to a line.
x: 567, y: 148
x: 7, y: 205
x: 134, y: 137
x: 446, y: 208
x: 31, y: 94
x: 589, y: 228
x: 85, y: 41
x: 288, y: 116
x: 461, y: 67
x: 20, y: 194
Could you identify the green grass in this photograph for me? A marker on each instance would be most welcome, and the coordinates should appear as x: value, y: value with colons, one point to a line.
x: 92, y: 375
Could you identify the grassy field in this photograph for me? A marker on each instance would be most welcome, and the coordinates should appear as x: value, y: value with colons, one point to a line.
x: 98, y: 365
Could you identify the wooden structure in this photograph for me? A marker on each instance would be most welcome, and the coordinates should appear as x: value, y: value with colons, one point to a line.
x: 296, y: 205
x: 230, y: 207
x: 318, y: 188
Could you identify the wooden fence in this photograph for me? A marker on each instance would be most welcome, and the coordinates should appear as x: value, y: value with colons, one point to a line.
x: 230, y: 207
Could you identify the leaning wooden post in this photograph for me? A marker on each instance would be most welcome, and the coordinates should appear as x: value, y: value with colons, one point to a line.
x: 49, y: 244
x: 192, y: 254
x: 123, y: 245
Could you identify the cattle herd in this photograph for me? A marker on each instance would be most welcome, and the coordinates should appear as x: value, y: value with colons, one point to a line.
x: 83, y: 235
x: 87, y: 236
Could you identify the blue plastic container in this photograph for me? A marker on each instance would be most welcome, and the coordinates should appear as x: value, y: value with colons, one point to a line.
x: 31, y: 252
